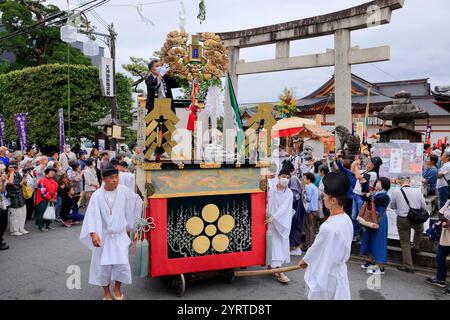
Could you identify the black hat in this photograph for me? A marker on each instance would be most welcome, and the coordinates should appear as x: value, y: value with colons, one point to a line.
x: 288, y: 166
x: 13, y: 164
x: 109, y: 170
x: 28, y: 168
x: 114, y: 162
x: 285, y: 170
x: 336, y: 184
x: 50, y: 167
x: 377, y: 162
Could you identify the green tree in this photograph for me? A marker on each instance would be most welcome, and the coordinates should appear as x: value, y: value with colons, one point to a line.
x: 41, y: 91
x: 139, y: 68
x: 38, y: 45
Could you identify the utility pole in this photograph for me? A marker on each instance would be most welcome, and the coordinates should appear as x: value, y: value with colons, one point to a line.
x: 111, y: 43
x: 112, y: 47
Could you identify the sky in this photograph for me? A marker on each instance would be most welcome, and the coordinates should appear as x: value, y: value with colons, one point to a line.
x: 417, y: 35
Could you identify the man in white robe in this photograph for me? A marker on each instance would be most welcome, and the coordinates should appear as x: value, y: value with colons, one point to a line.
x: 279, y: 222
x: 325, y: 262
x: 112, y: 212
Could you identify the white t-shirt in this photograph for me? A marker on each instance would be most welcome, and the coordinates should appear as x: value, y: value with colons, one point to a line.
x: 446, y: 171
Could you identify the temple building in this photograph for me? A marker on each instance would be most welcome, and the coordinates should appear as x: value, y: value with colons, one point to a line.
x: 321, y: 102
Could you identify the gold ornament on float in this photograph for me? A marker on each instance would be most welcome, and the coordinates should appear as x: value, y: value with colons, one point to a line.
x: 226, y: 223
x: 211, y: 230
x: 205, y: 59
x: 201, y: 244
x: 220, y: 243
x: 195, y: 226
x: 210, y: 213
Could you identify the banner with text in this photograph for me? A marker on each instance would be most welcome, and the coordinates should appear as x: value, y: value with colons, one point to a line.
x: 22, y: 130
x: 106, y: 77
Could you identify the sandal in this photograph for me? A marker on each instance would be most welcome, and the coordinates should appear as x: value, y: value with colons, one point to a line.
x: 282, y: 278
x: 122, y: 297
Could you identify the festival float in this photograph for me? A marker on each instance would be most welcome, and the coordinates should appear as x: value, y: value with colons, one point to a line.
x: 206, y: 207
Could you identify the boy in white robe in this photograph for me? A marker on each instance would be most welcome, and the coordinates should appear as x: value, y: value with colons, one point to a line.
x: 279, y: 222
x: 325, y: 262
x: 112, y: 211
x: 126, y: 178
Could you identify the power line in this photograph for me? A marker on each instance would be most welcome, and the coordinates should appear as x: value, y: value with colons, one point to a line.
x: 140, y: 4
x: 51, y: 19
x: 96, y: 16
x: 48, y: 19
x: 387, y: 73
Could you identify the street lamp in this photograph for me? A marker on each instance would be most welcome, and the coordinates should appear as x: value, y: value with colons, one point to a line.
x: 69, y: 33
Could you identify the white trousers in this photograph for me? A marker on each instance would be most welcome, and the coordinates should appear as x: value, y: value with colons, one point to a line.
x: 17, y: 219
x: 103, y: 275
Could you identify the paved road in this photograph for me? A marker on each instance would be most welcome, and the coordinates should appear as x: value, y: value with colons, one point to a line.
x: 35, y: 268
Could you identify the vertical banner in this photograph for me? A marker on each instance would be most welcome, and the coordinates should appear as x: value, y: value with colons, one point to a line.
x: 428, y: 137
x: 61, y: 130
x: 106, y: 77
x: 22, y: 130
x: 141, y: 126
x: 2, y: 131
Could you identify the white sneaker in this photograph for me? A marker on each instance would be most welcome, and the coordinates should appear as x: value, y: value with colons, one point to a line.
x: 375, y: 270
x: 17, y: 234
x: 24, y: 231
x: 296, y: 252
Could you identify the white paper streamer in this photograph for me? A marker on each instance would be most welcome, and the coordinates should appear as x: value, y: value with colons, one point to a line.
x: 214, y: 102
x: 182, y: 16
x: 140, y: 11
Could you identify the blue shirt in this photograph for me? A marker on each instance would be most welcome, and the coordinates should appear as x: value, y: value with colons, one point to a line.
x: 431, y: 175
x: 350, y: 176
x: 82, y: 164
x: 317, y: 182
x: 312, y: 192
x: 5, y: 161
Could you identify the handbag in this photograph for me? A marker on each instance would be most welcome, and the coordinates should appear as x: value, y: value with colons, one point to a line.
x: 368, y: 216
x: 49, y: 213
x: 415, y: 215
x: 27, y: 192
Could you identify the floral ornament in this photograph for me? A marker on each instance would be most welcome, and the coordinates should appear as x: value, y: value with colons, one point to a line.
x: 214, y: 60
x: 210, y: 230
x: 288, y: 103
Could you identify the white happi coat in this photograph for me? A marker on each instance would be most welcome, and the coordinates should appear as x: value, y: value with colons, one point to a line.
x: 280, y: 208
x: 110, y: 261
x: 326, y: 276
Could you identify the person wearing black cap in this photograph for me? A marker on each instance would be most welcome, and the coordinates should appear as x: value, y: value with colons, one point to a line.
x: 279, y: 222
x: 325, y: 262
x: 112, y: 212
x: 373, y: 170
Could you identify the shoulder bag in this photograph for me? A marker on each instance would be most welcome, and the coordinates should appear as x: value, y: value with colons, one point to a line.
x: 415, y: 215
x: 368, y: 216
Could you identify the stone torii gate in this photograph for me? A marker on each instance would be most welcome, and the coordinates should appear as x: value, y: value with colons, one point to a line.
x: 340, y: 24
